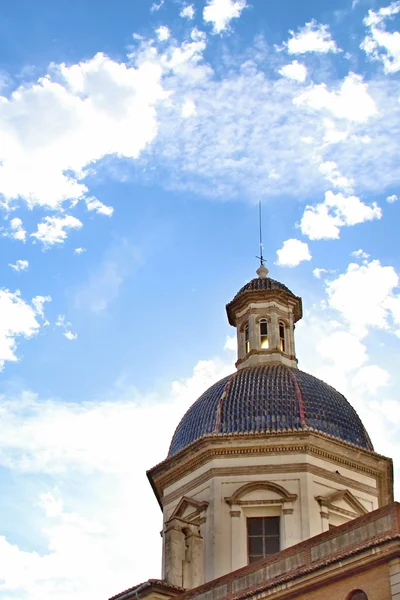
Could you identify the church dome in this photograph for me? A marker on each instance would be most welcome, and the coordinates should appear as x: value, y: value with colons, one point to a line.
x: 270, y: 399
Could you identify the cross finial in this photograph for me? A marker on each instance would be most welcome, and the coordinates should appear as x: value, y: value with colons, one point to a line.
x: 262, y: 272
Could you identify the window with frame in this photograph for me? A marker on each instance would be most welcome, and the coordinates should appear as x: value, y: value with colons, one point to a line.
x: 357, y: 595
x: 263, y: 537
x: 246, y: 339
x: 282, y: 341
x: 264, y: 342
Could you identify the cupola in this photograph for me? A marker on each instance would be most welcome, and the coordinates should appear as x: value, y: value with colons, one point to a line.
x: 264, y: 312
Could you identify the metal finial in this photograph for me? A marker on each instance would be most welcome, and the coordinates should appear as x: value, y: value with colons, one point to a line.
x: 262, y: 269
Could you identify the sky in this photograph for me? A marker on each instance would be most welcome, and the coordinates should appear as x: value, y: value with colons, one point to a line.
x: 136, y: 140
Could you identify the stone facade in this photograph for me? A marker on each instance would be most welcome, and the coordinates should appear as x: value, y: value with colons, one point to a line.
x: 309, y: 480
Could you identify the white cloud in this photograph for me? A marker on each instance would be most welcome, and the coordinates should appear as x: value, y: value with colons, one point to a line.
x: 79, y: 250
x: 64, y: 442
x: 231, y: 343
x: 38, y: 304
x: 65, y: 325
x: 365, y: 297
x: 188, y: 12
x: 313, y: 37
x: 16, y: 230
x: 20, y: 265
x: 163, y: 33
x: 221, y: 12
x: 323, y: 221
x: 17, y: 319
x: 246, y: 126
x: 294, y: 70
x: 371, y: 378
x: 53, y: 129
x: 318, y: 224
x: 99, y: 207
x: 360, y: 254
x: 330, y: 171
x: 391, y: 199
x: 318, y: 273
x: 380, y: 44
x: 54, y: 230
x: 332, y: 134
x: 70, y: 336
x: 352, y: 101
x: 188, y: 108
x: 292, y: 253
x: 60, y: 322
x: 344, y: 349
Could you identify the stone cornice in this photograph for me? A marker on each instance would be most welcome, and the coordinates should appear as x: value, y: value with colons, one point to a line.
x: 269, y: 352
x: 252, y: 470
x: 300, y: 442
x: 254, y: 296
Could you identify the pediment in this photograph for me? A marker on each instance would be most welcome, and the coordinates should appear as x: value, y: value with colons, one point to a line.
x: 343, y: 502
x: 260, y: 491
x: 189, y: 509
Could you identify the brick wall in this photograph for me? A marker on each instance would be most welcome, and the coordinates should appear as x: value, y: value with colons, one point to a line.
x: 272, y: 574
x: 374, y: 582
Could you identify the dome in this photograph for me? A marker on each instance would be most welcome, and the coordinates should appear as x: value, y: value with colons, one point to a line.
x: 261, y: 285
x: 265, y: 283
x: 270, y: 398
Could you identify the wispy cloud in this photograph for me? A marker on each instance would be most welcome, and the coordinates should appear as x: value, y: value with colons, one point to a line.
x: 19, y: 265
x: 105, y: 282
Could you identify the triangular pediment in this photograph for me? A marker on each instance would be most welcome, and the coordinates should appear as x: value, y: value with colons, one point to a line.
x: 189, y: 509
x: 343, y: 501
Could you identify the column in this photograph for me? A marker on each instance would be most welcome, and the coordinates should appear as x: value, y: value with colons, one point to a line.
x: 194, y: 564
x: 290, y: 336
x: 253, y: 331
x: 174, y: 552
x: 274, y: 333
x: 235, y: 537
x: 289, y: 535
x: 239, y: 335
x: 324, y: 518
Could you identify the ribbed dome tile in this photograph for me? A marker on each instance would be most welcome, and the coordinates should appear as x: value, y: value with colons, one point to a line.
x: 270, y: 398
x: 265, y: 283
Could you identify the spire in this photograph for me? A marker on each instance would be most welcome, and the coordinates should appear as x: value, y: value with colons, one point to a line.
x: 262, y: 271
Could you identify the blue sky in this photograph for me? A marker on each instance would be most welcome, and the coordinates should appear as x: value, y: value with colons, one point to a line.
x: 136, y: 140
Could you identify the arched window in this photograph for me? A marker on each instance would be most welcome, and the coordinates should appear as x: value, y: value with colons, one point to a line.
x: 282, y: 341
x: 264, y: 343
x: 246, y: 339
x: 357, y: 595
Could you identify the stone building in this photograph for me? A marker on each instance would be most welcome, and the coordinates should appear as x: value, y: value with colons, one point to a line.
x: 271, y: 487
